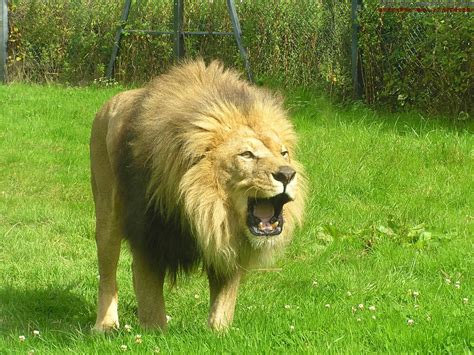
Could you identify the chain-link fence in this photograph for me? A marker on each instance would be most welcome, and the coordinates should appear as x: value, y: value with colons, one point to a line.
x: 408, y: 59
x: 418, y: 54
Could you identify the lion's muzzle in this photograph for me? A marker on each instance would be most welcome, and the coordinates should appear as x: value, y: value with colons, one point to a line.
x: 284, y: 174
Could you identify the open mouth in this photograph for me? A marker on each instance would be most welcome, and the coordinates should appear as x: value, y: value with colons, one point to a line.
x: 264, y: 215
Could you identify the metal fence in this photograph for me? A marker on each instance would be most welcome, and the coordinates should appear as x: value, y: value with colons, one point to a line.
x: 418, y: 54
x: 395, y: 53
x: 3, y: 39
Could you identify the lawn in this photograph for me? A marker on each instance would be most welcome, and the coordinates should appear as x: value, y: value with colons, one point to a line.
x: 384, y: 262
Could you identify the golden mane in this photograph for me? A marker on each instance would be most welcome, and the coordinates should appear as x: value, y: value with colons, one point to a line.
x: 186, y: 115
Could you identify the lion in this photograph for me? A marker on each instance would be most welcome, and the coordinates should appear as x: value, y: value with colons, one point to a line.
x: 195, y: 169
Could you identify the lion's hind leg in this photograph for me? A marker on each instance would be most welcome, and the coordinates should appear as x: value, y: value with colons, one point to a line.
x: 108, y: 231
x: 148, y: 285
x: 108, y: 239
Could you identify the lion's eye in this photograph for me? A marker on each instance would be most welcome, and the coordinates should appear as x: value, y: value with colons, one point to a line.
x: 285, y: 154
x: 247, y: 155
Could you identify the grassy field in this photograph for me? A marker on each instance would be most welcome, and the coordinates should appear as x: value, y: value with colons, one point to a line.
x: 384, y: 262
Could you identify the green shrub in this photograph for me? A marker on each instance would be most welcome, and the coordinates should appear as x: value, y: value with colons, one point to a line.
x: 70, y: 41
x: 418, y: 59
x: 409, y: 60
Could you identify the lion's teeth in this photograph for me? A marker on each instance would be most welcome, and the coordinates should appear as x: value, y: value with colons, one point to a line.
x: 268, y: 227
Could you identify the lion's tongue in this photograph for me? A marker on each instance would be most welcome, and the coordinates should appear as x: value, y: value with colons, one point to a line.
x: 264, y: 211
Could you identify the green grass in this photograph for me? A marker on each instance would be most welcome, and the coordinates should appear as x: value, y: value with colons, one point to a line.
x: 390, y: 214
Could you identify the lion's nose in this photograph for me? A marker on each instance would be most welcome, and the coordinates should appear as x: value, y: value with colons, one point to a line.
x: 284, y: 174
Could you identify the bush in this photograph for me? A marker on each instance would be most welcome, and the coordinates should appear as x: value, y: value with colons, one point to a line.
x: 418, y: 59
x: 70, y: 41
x: 409, y: 60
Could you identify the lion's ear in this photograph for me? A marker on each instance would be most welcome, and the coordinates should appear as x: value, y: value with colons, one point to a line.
x: 274, y: 97
x: 279, y: 97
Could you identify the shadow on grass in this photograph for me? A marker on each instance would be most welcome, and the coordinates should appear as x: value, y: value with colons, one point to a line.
x: 47, y: 310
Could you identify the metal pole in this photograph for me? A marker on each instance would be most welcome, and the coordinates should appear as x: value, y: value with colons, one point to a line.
x: 3, y: 40
x: 178, y: 47
x: 355, y: 58
x: 238, y: 37
x: 118, y: 38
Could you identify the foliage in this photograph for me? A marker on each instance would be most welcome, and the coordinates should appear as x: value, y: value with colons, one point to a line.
x: 421, y: 60
x: 299, y: 43
x: 418, y: 59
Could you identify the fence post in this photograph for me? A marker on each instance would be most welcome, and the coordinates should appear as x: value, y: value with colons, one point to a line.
x: 118, y: 38
x: 238, y: 37
x: 178, y: 47
x: 3, y: 40
x: 355, y: 57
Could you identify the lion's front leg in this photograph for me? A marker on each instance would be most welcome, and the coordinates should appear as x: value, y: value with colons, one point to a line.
x: 223, y: 290
x: 148, y: 285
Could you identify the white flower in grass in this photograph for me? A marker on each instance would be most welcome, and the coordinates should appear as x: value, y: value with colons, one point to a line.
x: 315, y: 283
x: 372, y: 308
x: 465, y: 300
x: 373, y: 317
x: 22, y: 338
x: 287, y: 306
x: 138, y: 339
x: 292, y: 327
x: 168, y: 318
x: 410, y: 322
x: 416, y: 306
x: 196, y: 296
x: 457, y: 284
x: 327, y: 305
x: 128, y: 327
x: 123, y: 347
x: 349, y: 293
x: 448, y: 281
x: 36, y: 333
x: 156, y: 350
x: 31, y: 352
x: 415, y: 294
x: 359, y: 320
x: 361, y: 306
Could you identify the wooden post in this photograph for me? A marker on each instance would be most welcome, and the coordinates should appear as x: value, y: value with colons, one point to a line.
x: 3, y: 40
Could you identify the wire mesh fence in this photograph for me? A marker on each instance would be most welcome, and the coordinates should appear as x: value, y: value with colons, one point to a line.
x: 408, y: 59
x: 418, y: 54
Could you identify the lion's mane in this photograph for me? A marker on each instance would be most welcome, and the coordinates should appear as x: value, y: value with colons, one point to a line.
x: 179, y: 120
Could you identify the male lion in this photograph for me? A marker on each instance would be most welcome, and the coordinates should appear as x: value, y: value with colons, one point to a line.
x: 196, y: 167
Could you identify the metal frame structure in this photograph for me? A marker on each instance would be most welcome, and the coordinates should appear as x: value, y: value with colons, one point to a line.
x: 3, y: 40
x: 178, y: 34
